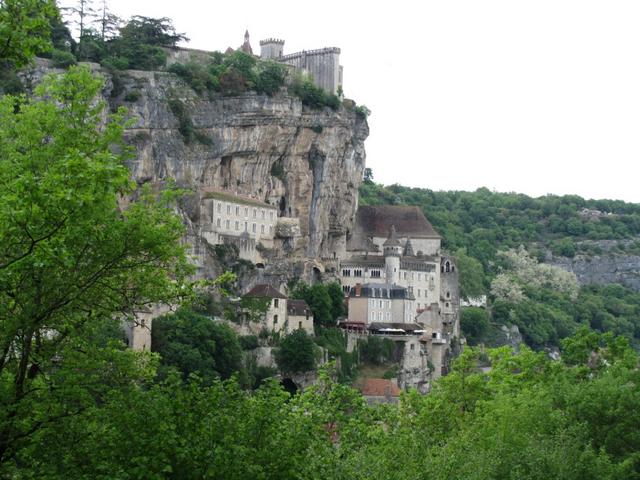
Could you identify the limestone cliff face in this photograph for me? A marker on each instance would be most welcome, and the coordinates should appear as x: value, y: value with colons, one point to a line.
x: 608, y: 267
x: 309, y: 163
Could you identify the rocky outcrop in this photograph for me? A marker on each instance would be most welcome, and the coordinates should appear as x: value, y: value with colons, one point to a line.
x: 602, y: 269
x: 609, y: 266
x: 307, y: 163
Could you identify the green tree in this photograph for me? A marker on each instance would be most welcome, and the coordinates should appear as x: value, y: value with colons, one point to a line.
x: 193, y: 343
x: 25, y: 30
x: 319, y: 300
x: 338, y: 308
x: 474, y: 323
x: 471, y: 275
x: 71, y: 257
x: 296, y: 353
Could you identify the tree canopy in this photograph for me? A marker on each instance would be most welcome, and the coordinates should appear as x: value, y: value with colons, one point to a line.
x: 71, y: 258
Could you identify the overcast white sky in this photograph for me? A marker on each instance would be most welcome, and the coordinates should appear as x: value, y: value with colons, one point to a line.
x: 528, y: 96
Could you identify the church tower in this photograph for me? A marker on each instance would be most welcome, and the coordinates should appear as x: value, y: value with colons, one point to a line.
x: 246, y: 46
x: 392, y: 253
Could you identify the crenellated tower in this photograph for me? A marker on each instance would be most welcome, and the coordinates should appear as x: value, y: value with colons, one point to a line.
x: 271, y: 48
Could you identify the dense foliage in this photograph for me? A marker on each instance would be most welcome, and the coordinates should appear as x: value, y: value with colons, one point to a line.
x: 193, y: 343
x: 71, y: 260
x: 528, y: 418
x: 297, y: 353
x: 325, y: 300
x: 483, y: 222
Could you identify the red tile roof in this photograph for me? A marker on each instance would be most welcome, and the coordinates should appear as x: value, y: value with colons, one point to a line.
x: 380, y: 387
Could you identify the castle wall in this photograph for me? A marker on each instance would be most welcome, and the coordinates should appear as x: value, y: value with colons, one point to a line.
x: 322, y: 64
x: 271, y: 49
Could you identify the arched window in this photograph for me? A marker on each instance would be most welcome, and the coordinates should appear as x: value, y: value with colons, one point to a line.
x: 275, y: 319
x: 447, y: 267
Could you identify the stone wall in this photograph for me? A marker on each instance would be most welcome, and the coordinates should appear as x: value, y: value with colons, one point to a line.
x: 323, y: 64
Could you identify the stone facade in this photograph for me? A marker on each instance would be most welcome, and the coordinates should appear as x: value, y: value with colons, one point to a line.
x: 322, y: 64
x: 415, y: 298
x: 283, y: 315
x: 240, y: 221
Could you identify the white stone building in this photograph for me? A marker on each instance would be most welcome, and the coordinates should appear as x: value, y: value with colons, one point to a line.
x: 283, y: 315
x: 238, y: 220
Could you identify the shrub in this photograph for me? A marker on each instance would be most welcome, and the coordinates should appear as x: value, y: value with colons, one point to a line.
x: 271, y: 77
x: 296, y: 353
x: 185, y: 125
x: 132, y: 96
x: 249, y: 342
x: 63, y: 59
x: 232, y: 83
x: 362, y: 111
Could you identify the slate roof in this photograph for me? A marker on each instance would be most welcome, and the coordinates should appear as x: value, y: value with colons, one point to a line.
x: 298, y: 308
x: 264, y: 291
x: 380, y: 387
x: 409, y: 221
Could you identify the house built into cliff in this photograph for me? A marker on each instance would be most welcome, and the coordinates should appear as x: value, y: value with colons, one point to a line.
x: 399, y: 285
x: 283, y: 315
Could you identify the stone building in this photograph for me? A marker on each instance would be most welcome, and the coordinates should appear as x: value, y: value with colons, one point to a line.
x: 322, y: 64
x: 399, y: 285
x: 244, y: 222
x: 283, y: 315
x: 380, y: 302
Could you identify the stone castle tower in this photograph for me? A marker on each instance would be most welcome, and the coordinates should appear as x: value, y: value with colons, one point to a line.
x: 271, y: 48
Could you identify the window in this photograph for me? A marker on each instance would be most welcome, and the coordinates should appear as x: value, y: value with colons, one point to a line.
x: 227, y: 224
x: 380, y: 303
x: 262, y: 212
x: 219, y: 207
x: 246, y: 212
x: 237, y: 210
x: 245, y: 226
x: 261, y: 228
x: 237, y: 225
x: 270, y: 229
x: 255, y: 212
x: 405, y: 275
x: 218, y: 222
x: 446, y: 304
x: 300, y: 325
x: 228, y: 209
x: 418, y: 292
x: 275, y: 303
x: 419, y: 277
x: 411, y: 347
x: 346, y: 272
x: 447, y: 267
x: 448, y: 294
x: 271, y: 215
x: 275, y: 319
